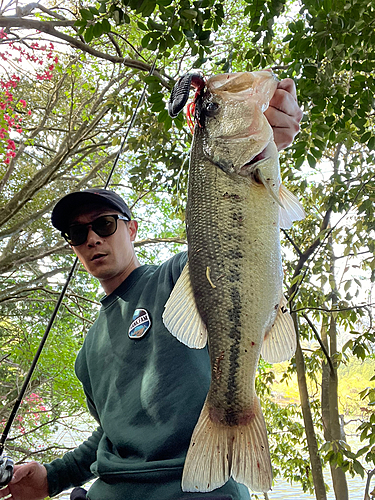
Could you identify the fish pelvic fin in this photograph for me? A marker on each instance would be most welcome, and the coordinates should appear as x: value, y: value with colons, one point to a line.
x: 280, y: 342
x: 290, y: 208
x: 181, y: 316
x: 219, y: 451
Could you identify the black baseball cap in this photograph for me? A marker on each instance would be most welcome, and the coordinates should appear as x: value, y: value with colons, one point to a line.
x: 69, y: 204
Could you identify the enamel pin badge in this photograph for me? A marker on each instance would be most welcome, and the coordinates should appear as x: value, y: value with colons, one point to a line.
x: 140, y: 325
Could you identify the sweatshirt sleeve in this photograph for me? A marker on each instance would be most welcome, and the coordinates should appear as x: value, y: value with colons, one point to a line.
x: 178, y: 263
x: 73, y: 469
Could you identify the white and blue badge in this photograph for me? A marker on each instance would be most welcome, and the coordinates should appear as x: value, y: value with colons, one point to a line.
x: 140, y: 325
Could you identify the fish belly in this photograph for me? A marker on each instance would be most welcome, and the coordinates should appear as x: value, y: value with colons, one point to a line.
x: 236, y: 276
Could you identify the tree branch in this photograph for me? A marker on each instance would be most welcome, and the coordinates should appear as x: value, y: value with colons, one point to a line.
x: 315, y: 331
x: 48, y: 27
x: 12, y: 261
x: 152, y: 241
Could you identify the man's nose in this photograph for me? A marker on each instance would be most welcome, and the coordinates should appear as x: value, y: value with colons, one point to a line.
x: 93, y: 238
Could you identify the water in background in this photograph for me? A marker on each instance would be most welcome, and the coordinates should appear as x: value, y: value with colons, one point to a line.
x: 284, y: 491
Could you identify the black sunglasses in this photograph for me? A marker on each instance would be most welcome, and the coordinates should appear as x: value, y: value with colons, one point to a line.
x: 106, y: 225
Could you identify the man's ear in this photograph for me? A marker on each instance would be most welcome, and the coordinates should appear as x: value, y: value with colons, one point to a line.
x: 132, y: 228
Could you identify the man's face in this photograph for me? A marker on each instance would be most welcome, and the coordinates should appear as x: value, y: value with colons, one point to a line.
x: 111, y: 258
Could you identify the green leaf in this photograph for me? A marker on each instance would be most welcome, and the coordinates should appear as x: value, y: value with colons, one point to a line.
x: 158, y: 106
x: 106, y: 26
x: 80, y: 23
x: 142, y: 26
x: 155, y: 98
x: 249, y: 54
x: 151, y: 79
x: 177, y: 35
x: 310, y: 71
x: 98, y: 30
x: 256, y: 61
x: 311, y: 160
x: 299, y: 162
x: 189, y: 13
x: 365, y: 137
x: 155, y: 26
x: 247, y: 10
x: 146, y: 40
x: 148, y: 8
x: 86, y: 14
x: 204, y: 35
x: 167, y: 123
x: 163, y: 116
x: 89, y: 34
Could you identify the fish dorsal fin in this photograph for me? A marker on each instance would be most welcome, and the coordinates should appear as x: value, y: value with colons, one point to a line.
x: 292, y: 209
x: 181, y: 316
x: 280, y: 342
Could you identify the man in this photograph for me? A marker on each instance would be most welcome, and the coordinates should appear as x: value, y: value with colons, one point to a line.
x: 143, y: 386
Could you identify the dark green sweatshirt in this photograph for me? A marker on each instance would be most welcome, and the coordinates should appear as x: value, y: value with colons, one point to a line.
x: 146, y: 392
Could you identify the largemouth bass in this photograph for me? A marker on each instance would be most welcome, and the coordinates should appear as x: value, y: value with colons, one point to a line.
x: 231, y: 289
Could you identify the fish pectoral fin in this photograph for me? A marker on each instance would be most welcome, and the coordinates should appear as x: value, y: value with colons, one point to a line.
x: 280, y: 342
x: 258, y: 174
x: 219, y: 451
x: 291, y: 209
x: 181, y: 316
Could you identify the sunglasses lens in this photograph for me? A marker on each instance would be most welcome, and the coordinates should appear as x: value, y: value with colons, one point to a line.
x: 105, y: 226
x: 77, y: 235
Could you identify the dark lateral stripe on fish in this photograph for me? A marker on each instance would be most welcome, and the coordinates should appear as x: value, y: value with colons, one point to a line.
x: 235, y: 334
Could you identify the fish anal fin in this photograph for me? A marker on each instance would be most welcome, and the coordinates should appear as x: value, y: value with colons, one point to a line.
x: 280, y: 342
x: 181, y: 316
x: 291, y: 208
x: 219, y: 451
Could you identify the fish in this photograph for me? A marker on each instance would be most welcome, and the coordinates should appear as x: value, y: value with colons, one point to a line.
x: 230, y: 293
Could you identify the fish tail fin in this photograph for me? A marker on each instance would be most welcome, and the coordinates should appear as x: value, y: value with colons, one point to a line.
x: 219, y: 451
x: 251, y: 462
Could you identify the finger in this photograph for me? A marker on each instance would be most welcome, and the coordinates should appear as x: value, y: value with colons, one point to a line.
x: 284, y: 127
x: 20, y: 471
x: 285, y: 102
x: 289, y: 86
x: 4, y: 492
x: 283, y: 137
x: 280, y: 119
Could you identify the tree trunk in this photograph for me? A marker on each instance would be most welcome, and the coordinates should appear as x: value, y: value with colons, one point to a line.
x: 330, y: 410
x: 316, y: 465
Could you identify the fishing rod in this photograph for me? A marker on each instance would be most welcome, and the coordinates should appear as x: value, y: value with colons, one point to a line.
x: 6, y: 463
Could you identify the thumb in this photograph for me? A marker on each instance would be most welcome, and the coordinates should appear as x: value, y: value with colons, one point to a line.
x: 20, y: 471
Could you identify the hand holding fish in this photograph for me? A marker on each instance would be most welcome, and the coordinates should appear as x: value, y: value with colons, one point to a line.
x: 284, y: 114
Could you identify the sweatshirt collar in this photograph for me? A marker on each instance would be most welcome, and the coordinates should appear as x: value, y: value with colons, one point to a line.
x: 125, y: 286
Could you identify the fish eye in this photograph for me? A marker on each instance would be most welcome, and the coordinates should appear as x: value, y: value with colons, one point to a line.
x: 211, y: 109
